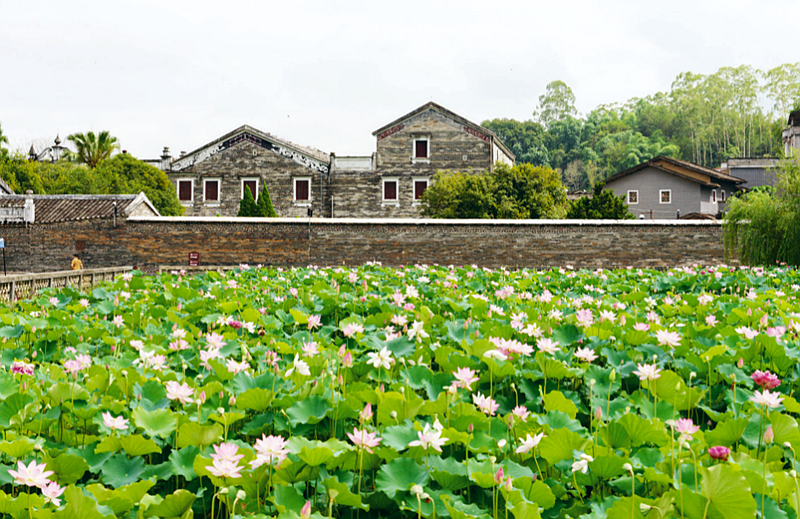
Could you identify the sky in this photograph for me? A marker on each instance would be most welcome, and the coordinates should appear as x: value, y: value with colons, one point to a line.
x: 326, y: 74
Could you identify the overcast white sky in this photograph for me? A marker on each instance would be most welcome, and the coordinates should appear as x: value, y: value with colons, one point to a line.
x: 326, y: 74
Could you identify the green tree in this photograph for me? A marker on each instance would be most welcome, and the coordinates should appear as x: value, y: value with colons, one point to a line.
x: 522, y: 191
x: 762, y: 227
x: 3, y: 138
x: 125, y: 174
x: 265, y: 207
x: 19, y: 174
x: 93, y: 148
x: 248, y: 206
x: 603, y: 205
x: 525, y: 139
x: 556, y: 104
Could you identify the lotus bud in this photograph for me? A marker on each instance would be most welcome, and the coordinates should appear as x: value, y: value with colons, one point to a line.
x: 501, y: 444
x: 598, y: 413
x: 793, y: 473
x: 139, y: 396
x: 37, y: 448
x: 733, y: 377
x: 613, y: 375
x: 508, y: 484
x: 628, y: 467
x: 340, y: 380
x: 224, y: 491
x: 35, y: 353
x: 220, y: 411
x: 769, y: 435
x: 232, y: 401
x: 393, y: 414
x: 592, y: 383
x: 678, y: 386
x: 241, y: 495
x: 787, y: 445
x: 342, y: 350
x: 366, y: 413
x: 305, y: 512
x: 416, y: 489
x: 692, y: 375
x: 348, y: 360
x: 644, y: 508
x: 402, y: 390
x: 221, y: 395
x: 740, y: 364
x: 470, y: 428
x: 202, y: 398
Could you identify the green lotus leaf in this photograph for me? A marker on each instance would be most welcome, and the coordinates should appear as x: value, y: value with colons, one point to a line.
x: 120, y: 470
x: 556, y: 401
x: 67, y: 468
x: 12, y: 332
x: 403, y: 406
x: 310, y: 410
x: 174, y: 505
x: 341, y: 494
x: 66, y: 392
x: 159, y: 422
x: 8, y: 386
x: 288, y: 497
x: 108, y: 444
x: 12, y: 405
x: 182, y: 459
x: 194, y: 434
x: 138, y: 445
x: 17, y: 448
x: 627, y: 508
x: 399, y: 436
x: 316, y: 456
x: 460, y: 510
x: 449, y: 473
x: 161, y: 471
x: 13, y: 505
x: 641, y: 430
x: 536, y: 492
x: 784, y: 427
x: 607, y: 467
x: 256, y: 399
x: 399, y: 475
x: 728, y: 491
x: 559, y: 444
x: 727, y: 432
x: 566, y: 335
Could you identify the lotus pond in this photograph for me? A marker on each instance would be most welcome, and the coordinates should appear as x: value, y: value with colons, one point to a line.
x: 412, y: 392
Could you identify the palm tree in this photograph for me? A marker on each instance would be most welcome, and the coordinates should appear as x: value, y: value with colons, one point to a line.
x: 94, y: 148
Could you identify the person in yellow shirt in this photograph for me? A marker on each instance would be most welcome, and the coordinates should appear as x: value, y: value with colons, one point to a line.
x: 76, y: 264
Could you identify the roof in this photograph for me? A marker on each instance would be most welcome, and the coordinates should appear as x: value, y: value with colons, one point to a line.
x: 211, y: 148
x: 452, y: 115
x: 65, y: 208
x: 680, y: 168
x: 698, y: 216
x: 5, y: 189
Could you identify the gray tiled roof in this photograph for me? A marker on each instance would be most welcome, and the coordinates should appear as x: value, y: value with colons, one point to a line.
x: 64, y: 208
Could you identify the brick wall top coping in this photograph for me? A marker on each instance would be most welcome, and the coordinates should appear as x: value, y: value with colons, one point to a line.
x: 189, y: 220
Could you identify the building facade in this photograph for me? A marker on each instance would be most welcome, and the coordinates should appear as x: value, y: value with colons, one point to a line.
x: 664, y: 188
x: 211, y: 180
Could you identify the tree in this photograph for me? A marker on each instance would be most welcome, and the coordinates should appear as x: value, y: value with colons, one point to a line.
x: 525, y: 139
x: 125, y: 174
x: 762, y: 227
x: 93, y: 148
x: 557, y: 103
x: 3, y: 138
x: 19, y: 174
x: 522, y: 191
x: 265, y: 208
x: 603, y: 205
x: 248, y: 206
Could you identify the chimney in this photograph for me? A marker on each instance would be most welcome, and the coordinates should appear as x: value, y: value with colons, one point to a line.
x: 28, y: 210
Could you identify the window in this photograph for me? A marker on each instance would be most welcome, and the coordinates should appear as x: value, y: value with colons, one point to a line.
x: 666, y: 196
x: 713, y: 196
x: 633, y: 197
x: 251, y: 183
x: 421, y: 149
x: 302, y: 190
x: 185, y: 190
x: 390, y: 190
x: 722, y: 196
x: 420, y: 185
x: 211, y: 190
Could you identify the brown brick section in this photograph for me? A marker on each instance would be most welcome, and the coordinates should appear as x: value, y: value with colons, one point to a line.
x: 149, y: 244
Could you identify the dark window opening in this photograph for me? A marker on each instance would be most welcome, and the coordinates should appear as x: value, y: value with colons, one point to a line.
x: 421, y: 149
x: 301, y: 189
x: 419, y: 188
x: 80, y: 246
x: 212, y: 191
x: 252, y: 185
x: 185, y: 190
x: 390, y: 190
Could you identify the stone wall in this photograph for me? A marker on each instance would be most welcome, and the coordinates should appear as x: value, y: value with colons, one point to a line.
x: 150, y: 243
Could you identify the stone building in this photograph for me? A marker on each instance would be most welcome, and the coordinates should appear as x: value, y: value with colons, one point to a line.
x: 211, y: 180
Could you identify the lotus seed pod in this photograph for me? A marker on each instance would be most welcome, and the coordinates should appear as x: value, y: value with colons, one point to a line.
x: 241, y: 495
x: 787, y: 445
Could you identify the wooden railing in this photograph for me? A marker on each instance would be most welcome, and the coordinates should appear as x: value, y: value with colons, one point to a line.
x: 26, y: 286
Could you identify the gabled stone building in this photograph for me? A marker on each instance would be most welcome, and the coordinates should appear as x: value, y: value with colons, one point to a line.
x: 389, y: 183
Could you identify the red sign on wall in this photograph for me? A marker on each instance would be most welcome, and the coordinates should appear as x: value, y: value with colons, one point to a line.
x: 390, y: 131
x: 194, y: 259
x: 476, y: 133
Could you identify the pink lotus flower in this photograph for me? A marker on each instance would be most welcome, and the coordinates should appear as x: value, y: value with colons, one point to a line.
x: 686, y: 428
x: 268, y: 450
x: 765, y: 379
x: 366, y: 413
x: 748, y: 333
x: 119, y: 423
x: 429, y: 438
x: 641, y: 327
x: 215, y: 340
x: 51, y: 492
x: 584, y: 317
x: 485, y: 404
x: 364, y: 440
x: 549, y: 346
x: 224, y: 468
x: 305, y: 512
x: 498, y: 477
x: 665, y: 338
x: 769, y: 436
x: 237, y: 367
x: 118, y: 321
x: 521, y: 412
x: 314, y: 321
x: 22, y: 368
x: 226, y: 451
x: 766, y: 398
x: 647, y: 371
x: 351, y: 329
x: 84, y: 303
x: 309, y: 349
x: 465, y: 377
x: 180, y: 392
x: 585, y: 354
x: 719, y: 452
x: 711, y: 320
x: 33, y: 475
